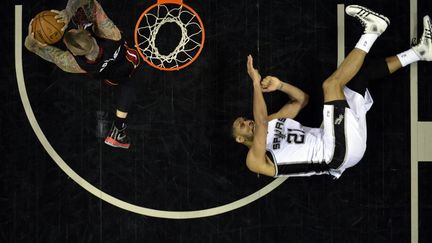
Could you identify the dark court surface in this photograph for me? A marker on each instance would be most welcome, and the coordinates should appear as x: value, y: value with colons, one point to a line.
x: 182, y: 156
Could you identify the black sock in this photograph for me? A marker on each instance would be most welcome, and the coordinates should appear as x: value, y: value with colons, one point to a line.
x: 119, y: 122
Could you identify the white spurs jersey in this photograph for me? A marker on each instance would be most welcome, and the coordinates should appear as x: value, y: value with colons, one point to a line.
x: 295, y: 150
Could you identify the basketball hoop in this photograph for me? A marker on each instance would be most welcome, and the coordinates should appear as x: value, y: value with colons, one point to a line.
x: 190, y: 42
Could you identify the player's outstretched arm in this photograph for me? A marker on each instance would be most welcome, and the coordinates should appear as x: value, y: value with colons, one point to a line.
x: 259, y: 105
x: 63, y: 59
x: 256, y: 159
x: 105, y: 27
x: 298, y: 98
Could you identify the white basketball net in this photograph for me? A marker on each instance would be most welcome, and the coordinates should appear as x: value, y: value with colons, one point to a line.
x: 189, y: 44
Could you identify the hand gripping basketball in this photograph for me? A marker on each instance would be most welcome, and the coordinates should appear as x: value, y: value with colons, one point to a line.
x: 30, y: 41
x: 46, y: 28
x: 62, y: 17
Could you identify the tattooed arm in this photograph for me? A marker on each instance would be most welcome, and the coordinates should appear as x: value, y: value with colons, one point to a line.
x: 72, y: 6
x: 63, y: 59
x: 104, y: 27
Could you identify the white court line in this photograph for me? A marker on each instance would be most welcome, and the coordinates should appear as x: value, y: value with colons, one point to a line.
x: 414, y: 128
x: 340, y: 33
x: 92, y: 189
x: 424, y: 141
x: 419, y: 131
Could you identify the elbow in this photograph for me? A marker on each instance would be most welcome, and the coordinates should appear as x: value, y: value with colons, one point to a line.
x: 30, y: 45
x: 305, y: 100
x: 27, y: 45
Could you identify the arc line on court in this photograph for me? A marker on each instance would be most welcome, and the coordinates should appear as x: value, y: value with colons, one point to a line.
x: 96, y: 191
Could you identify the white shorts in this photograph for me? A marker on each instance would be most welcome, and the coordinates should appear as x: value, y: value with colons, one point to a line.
x: 345, y: 132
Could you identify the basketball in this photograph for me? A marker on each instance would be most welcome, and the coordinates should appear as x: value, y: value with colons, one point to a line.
x: 46, y: 29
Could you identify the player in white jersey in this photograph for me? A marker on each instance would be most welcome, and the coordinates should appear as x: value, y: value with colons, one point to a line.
x: 280, y: 146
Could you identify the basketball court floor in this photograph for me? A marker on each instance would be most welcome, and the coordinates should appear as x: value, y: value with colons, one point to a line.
x: 184, y: 179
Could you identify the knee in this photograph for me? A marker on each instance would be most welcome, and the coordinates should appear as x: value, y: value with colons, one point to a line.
x: 331, y: 84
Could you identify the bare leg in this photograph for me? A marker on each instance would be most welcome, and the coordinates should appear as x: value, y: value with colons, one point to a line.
x: 333, y: 85
x: 393, y: 64
x: 374, y: 25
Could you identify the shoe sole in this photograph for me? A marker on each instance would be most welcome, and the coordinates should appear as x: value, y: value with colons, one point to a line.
x: 370, y: 12
x: 113, y: 143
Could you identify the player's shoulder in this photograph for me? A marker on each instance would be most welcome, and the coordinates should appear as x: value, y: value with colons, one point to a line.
x: 260, y: 164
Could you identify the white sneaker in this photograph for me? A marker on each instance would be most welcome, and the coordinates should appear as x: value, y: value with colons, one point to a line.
x: 424, y: 47
x: 372, y: 22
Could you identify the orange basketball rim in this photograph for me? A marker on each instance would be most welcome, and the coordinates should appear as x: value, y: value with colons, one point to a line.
x: 192, y: 30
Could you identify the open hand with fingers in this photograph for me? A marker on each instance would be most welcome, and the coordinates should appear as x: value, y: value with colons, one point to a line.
x: 253, y: 73
x: 62, y: 17
x: 270, y: 83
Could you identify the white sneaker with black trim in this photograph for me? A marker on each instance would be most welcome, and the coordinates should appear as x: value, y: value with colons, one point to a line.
x: 424, y: 47
x: 373, y: 23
